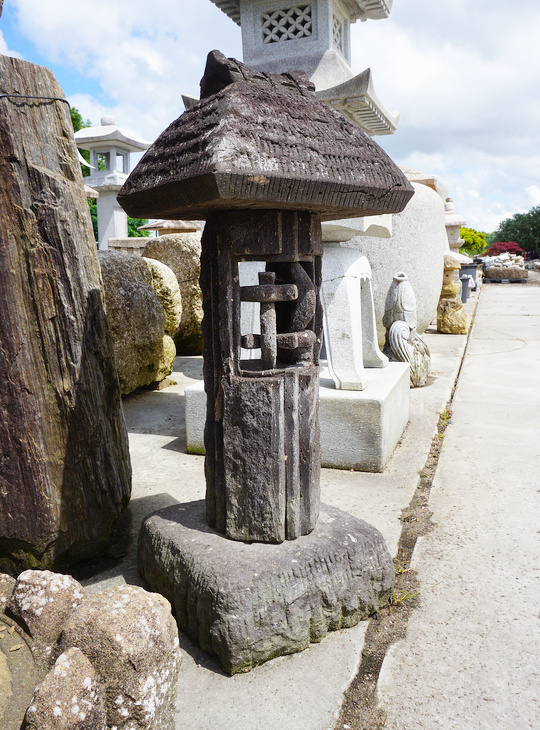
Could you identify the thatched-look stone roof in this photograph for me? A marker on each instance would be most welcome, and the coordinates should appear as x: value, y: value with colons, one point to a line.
x: 264, y: 141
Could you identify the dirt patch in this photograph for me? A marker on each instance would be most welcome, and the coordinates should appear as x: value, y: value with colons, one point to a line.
x: 359, y: 710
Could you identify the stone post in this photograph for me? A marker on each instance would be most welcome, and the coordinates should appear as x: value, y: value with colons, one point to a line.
x: 262, y: 430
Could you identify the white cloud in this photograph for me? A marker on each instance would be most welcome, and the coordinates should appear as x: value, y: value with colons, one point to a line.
x: 533, y: 191
x: 4, y: 50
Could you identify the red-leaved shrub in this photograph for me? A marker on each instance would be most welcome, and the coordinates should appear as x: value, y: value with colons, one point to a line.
x: 502, y: 247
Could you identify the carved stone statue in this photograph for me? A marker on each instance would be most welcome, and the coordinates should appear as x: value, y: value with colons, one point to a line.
x: 403, y: 343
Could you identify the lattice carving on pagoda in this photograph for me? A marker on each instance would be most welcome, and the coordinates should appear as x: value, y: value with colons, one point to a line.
x: 338, y: 34
x: 287, y: 24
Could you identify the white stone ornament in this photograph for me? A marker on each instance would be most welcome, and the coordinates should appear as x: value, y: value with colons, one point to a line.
x: 350, y: 332
x: 403, y: 343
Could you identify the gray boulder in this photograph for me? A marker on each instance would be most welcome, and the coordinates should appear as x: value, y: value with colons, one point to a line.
x: 7, y: 585
x: 70, y: 697
x: 181, y: 252
x: 144, y: 351
x: 165, y: 285
x: 43, y: 601
x: 131, y: 639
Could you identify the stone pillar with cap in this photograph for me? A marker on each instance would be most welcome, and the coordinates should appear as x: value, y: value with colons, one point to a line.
x: 251, y: 157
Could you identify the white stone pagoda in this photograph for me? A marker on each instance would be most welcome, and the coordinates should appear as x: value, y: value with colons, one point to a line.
x: 314, y: 36
x: 110, y: 148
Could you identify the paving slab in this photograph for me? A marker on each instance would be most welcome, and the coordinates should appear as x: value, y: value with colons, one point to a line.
x: 303, y: 690
x: 470, y: 657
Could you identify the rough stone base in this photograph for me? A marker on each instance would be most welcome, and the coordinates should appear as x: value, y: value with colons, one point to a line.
x: 359, y: 428
x: 250, y: 602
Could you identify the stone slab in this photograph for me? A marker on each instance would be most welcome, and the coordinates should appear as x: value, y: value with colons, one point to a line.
x: 359, y: 429
x: 248, y: 603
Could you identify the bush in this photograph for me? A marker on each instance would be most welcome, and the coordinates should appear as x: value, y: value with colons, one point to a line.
x: 503, y: 247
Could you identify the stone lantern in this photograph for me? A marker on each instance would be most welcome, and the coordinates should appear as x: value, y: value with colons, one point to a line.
x: 263, y: 161
x: 453, y: 223
x: 314, y: 37
x: 110, y: 148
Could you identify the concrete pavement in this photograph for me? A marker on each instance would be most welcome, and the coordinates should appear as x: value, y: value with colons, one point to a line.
x: 302, y: 691
x: 470, y: 659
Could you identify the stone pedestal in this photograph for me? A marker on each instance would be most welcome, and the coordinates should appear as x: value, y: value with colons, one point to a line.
x: 359, y: 429
x: 247, y: 603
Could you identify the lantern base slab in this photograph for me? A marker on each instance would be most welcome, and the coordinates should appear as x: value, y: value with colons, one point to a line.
x: 247, y: 603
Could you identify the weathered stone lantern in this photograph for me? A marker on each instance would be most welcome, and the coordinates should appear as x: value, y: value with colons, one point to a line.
x: 110, y: 149
x: 264, y: 162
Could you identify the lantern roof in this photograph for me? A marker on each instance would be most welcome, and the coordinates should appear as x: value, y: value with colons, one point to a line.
x: 358, y: 9
x: 89, y: 138
x: 258, y: 140
x: 172, y: 226
x: 357, y: 100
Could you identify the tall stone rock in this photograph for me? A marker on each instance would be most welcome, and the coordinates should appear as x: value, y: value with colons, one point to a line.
x: 65, y: 472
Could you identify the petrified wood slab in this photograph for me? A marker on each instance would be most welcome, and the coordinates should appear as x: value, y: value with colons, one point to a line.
x: 65, y: 471
x: 266, y: 141
x: 250, y: 603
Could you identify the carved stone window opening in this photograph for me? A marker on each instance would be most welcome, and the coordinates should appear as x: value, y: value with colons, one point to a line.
x: 287, y: 24
x: 287, y: 298
x: 338, y: 28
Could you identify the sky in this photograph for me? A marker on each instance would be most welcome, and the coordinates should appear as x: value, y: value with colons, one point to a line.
x: 464, y: 75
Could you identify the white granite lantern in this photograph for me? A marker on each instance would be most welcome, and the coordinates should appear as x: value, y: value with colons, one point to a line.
x: 453, y: 223
x: 110, y: 149
x: 314, y: 36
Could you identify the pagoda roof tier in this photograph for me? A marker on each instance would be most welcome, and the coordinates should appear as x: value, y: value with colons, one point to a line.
x: 258, y: 140
x: 358, y: 9
x: 357, y: 100
x: 88, y: 138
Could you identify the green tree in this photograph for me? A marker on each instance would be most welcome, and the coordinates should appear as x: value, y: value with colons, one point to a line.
x: 133, y: 223
x: 475, y: 242
x: 523, y: 228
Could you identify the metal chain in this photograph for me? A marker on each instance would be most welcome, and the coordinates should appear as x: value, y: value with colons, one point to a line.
x: 43, y: 98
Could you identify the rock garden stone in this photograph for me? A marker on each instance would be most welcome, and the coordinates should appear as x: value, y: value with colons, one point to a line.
x: 131, y: 639
x: 7, y: 586
x: 43, y: 601
x: 71, y: 697
x: 452, y: 318
x: 116, y: 652
x: 144, y: 351
x: 165, y: 284
x: 181, y: 252
x: 498, y: 273
x: 66, y: 473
